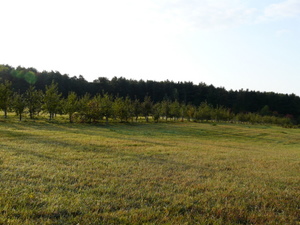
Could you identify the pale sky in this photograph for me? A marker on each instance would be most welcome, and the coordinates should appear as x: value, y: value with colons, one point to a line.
x: 249, y: 44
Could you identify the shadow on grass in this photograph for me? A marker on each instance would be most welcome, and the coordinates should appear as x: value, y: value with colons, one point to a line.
x: 51, y: 143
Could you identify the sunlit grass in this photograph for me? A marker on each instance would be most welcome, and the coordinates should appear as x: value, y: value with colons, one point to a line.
x: 166, y: 173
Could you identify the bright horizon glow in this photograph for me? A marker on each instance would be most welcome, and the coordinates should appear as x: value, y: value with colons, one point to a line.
x: 233, y: 44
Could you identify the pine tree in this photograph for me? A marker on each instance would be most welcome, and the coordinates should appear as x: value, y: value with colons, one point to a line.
x: 83, y: 106
x: 136, y: 109
x: 52, y: 100
x: 106, y: 106
x: 18, y: 104
x: 5, y: 96
x: 34, y: 100
x: 70, y: 105
x: 166, y: 109
x: 147, y: 107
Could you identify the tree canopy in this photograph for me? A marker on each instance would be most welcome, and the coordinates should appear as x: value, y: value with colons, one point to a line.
x: 237, y: 101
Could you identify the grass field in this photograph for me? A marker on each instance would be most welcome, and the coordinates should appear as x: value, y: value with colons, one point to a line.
x: 165, y: 173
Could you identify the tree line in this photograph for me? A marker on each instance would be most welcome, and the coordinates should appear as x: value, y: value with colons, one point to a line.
x: 105, y: 107
x: 161, y: 98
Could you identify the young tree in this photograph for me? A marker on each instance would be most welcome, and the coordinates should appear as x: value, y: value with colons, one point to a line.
x: 156, y: 111
x: 123, y: 108
x: 120, y: 109
x: 175, y: 111
x: 128, y: 108
x: 34, y: 100
x: 52, y: 100
x: 94, y: 108
x: 70, y: 105
x: 147, y: 107
x: 242, y: 117
x: 18, y: 104
x: 190, y: 112
x: 106, y: 106
x: 136, y: 109
x: 166, y: 109
x: 183, y: 109
x: 204, y: 112
x: 221, y: 114
x: 83, y: 106
x: 5, y: 96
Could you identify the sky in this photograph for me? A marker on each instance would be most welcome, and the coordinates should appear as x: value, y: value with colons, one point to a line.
x: 235, y: 44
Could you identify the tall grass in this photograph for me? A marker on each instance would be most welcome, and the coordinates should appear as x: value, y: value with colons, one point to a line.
x: 167, y: 173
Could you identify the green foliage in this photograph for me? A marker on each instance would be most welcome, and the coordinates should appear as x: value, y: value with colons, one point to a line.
x: 52, y: 103
x: 204, y: 112
x: 107, y: 106
x: 5, y: 96
x: 157, y: 111
x: 190, y: 112
x: 88, y: 109
x: 187, y: 93
x: 175, y: 110
x: 222, y: 114
x: 147, y: 106
x: 83, y: 107
x: 18, y: 104
x: 94, y: 109
x: 3, y: 69
x: 129, y: 109
x: 136, y: 109
x: 119, y: 108
x: 165, y: 109
x: 34, y: 100
x: 265, y: 111
x: 70, y: 105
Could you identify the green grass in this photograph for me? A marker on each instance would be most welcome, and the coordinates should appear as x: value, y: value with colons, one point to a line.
x: 166, y: 173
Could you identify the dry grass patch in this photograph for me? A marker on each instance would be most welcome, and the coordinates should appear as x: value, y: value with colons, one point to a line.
x: 148, y: 174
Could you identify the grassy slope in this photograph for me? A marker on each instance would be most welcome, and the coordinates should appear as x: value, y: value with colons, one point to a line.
x: 172, y: 173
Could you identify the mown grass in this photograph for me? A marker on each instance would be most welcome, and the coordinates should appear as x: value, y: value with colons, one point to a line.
x: 166, y: 173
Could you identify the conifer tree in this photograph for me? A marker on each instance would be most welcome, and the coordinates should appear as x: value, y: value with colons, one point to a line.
x: 5, y: 96
x: 34, y: 100
x: 136, y: 109
x: 18, y: 104
x: 156, y: 112
x: 70, y: 105
x: 52, y: 100
x: 175, y: 110
x: 119, y: 109
x: 190, y: 112
x: 83, y: 106
x: 147, y: 107
x: 94, y: 112
x: 166, y: 109
x: 106, y: 106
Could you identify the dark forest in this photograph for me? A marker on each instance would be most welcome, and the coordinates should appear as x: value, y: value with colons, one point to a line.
x: 238, y: 101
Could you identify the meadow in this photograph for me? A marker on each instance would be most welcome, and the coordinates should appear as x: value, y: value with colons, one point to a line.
x: 138, y: 173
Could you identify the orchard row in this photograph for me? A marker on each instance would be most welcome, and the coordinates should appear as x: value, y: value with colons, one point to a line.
x: 107, y: 107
